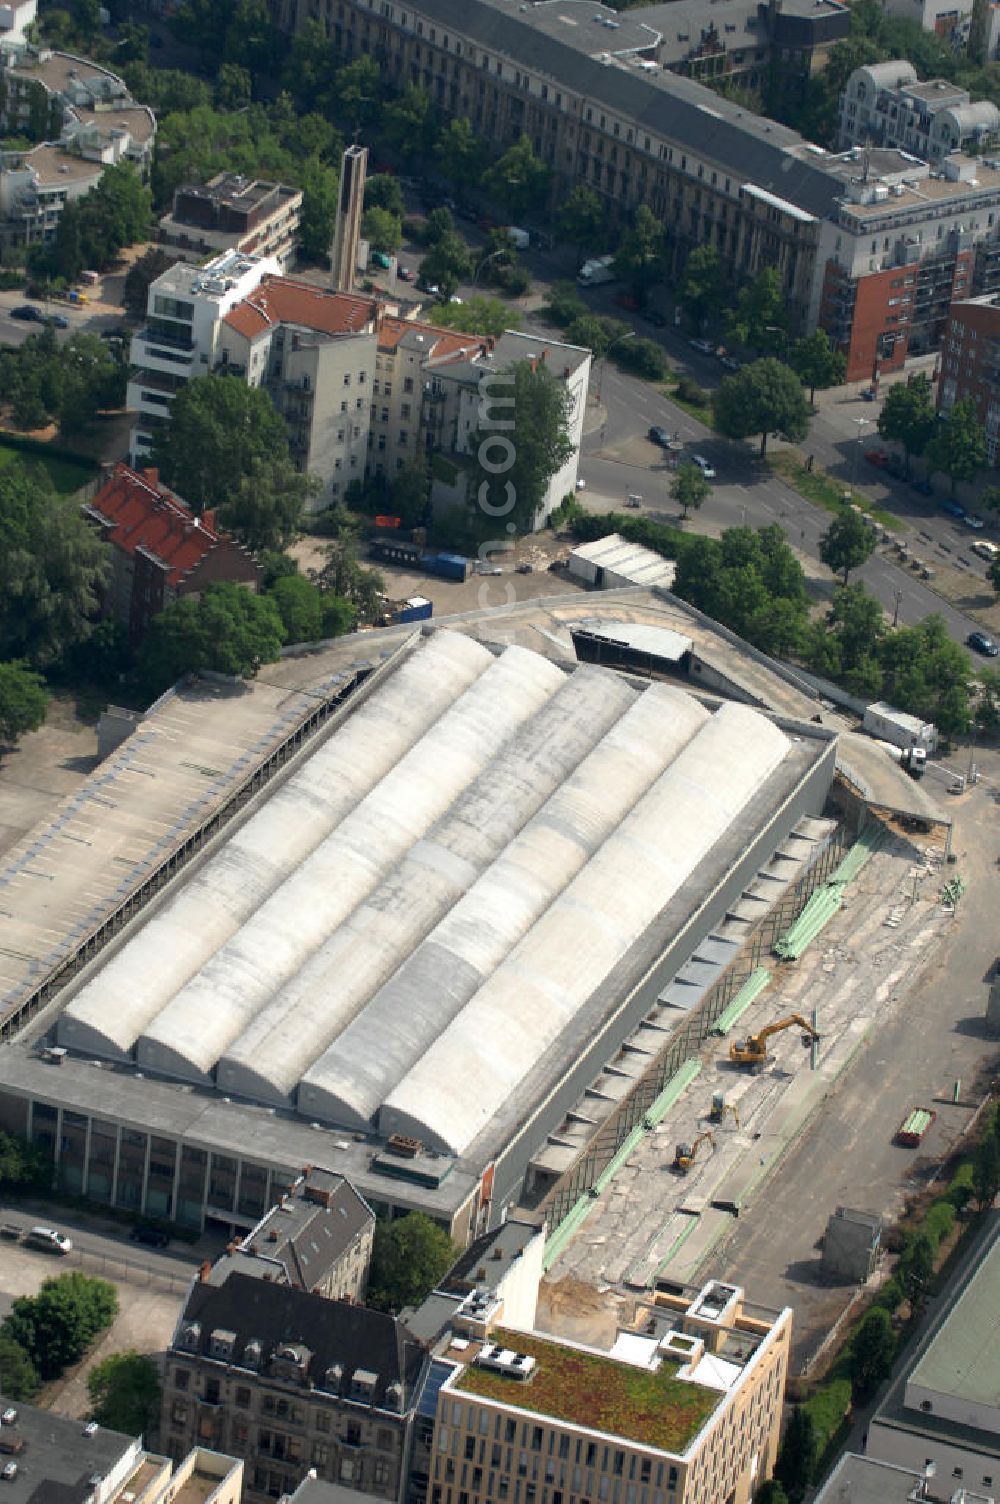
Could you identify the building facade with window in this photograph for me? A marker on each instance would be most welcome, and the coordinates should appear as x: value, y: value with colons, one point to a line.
x: 291, y: 1381
x: 970, y: 364
x: 884, y: 104
x: 233, y: 213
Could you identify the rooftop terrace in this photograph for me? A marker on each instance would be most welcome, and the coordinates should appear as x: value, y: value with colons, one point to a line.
x: 586, y: 1388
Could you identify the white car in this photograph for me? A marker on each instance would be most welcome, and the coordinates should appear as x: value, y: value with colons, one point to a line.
x: 976, y: 523
x: 48, y: 1239
x: 704, y: 345
x: 984, y: 549
x: 706, y: 469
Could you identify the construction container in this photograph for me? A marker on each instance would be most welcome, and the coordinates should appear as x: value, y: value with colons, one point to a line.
x: 913, y: 1127
x: 891, y: 725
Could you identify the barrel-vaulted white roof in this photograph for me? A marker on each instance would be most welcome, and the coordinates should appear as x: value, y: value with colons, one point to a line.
x: 249, y: 972
x: 313, y: 1007
x: 349, y: 1082
x: 109, y: 1013
x: 434, y: 896
x: 482, y: 1057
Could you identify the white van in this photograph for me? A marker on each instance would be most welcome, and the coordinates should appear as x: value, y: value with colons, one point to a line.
x: 48, y: 1240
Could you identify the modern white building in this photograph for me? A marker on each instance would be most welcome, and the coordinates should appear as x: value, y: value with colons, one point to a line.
x: 15, y: 17
x: 184, y: 313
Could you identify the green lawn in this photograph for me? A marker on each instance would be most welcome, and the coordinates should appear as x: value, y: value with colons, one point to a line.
x: 66, y: 475
x: 824, y: 490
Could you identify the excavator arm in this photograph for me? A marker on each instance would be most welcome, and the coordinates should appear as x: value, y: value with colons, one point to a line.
x: 753, y: 1049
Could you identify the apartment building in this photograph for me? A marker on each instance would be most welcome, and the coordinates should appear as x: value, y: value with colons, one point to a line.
x: 291, y: 1381
x: 15, y: 17
x: 683, y: 1409
x: 970, y: 364
x: 318, y: 1237
x: 49, y: 1457
x: 233, y: 213
x: 160, y: 551
x: 884, y: 104
x: 180, y: 338
x: 586, y: 86
x: 465, y: 386
x: 89, y: 122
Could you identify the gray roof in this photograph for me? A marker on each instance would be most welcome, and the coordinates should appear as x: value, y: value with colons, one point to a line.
x: 962, y: 1360
x: 59, y: 1459
x: 313, y: 1227
x: 747, y: 146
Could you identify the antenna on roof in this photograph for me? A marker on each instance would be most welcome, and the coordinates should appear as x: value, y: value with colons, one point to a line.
x: 866, y: 158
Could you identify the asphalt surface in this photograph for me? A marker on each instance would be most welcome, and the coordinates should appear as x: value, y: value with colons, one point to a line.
x: 96, y: 1243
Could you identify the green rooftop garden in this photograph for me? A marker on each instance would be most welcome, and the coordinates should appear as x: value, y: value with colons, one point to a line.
x: 588, y: 1389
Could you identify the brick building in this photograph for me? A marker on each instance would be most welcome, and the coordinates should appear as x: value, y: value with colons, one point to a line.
x: 160, y: 550
x: 970, y: 364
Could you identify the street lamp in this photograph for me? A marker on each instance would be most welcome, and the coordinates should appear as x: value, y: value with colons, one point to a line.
x: 897, y: 596
x: 857, y: 450
x: 503, y: 251
x: 629, y: 334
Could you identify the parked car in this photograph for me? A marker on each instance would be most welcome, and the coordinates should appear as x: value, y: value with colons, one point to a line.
x: 981, y: 642
x: 730, y: 362
x: 28, y: 313
x: 981, y: 547
x: 976, y: 523
x: 152, y: 1237
x: 379, y: 258
x: 923, y: 487
x: 484, y: 567
x: 658, y: 435
x: 707, y: 470
x: 404, y: 274
x: 869, y: 394
x: 877, y: 457
x: 633, y: 501
x: 59, y: 320
x: 951, y: 507
x: 704, y: 345
x: 49, y: 1240
x: 525, y: 569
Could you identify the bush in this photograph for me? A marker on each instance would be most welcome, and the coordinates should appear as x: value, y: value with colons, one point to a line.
x: 828, y: 1409
x: 644, y: 357
x: 891, y: 1295
x: 688, y: 390
x: 939, y: 1222
x: 56, y: 1326
x: 960, y: 1188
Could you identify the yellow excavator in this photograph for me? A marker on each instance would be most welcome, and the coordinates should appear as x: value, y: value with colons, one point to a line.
x: 753, y: 1049
x: 685, y: 1154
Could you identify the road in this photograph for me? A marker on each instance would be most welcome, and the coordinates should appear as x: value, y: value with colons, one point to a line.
x: 95, y: 1245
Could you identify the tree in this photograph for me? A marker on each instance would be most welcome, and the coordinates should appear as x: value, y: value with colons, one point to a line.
x: 22, y: 1163
x: 908, y: 417
x: 927, y: 674
x: 770, y: 1492
x: 689, y: 488
x: 986, y: 1169
x: 267, y: 507
x: 409, y: 1257
x: 872, y: 1351
x: 300, y: 606
x: 816, y: 363
x: 446, y: 264
x: 847, y: 543
x: 345, y: 578
x: 523, y: 442
x: 988, y: 706
x: 18, y: 1375
x: 519, y: 181
x: 56, y: 1326
x: 958, y: 447
x: 233, y: 87
x: 227, y: 629
x: 382, y: 191
x: 564, y: 305
x: 764, y: 397
x: 993, y: 574
x: 139, y: 278
x: 382, y: 229
x: 124, y: 1392
x: 23, y: 701
x: 478, y: 315
x: 798, y: 1455
x: 916, y: 1269
x: 760, y: 319
x: 53, y: 566
x: 319, y: 209
x: 582, y: 221
x: 219, y: 430
x: 460, y: 154
x: 703, y: 291
x: 846, y: 645
x: 638, y: 259
x: 408, y: 123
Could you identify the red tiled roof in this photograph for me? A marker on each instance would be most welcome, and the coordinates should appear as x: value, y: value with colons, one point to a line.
x: 283, y: 300
x: 443, y: 343
x: 136, y: 512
